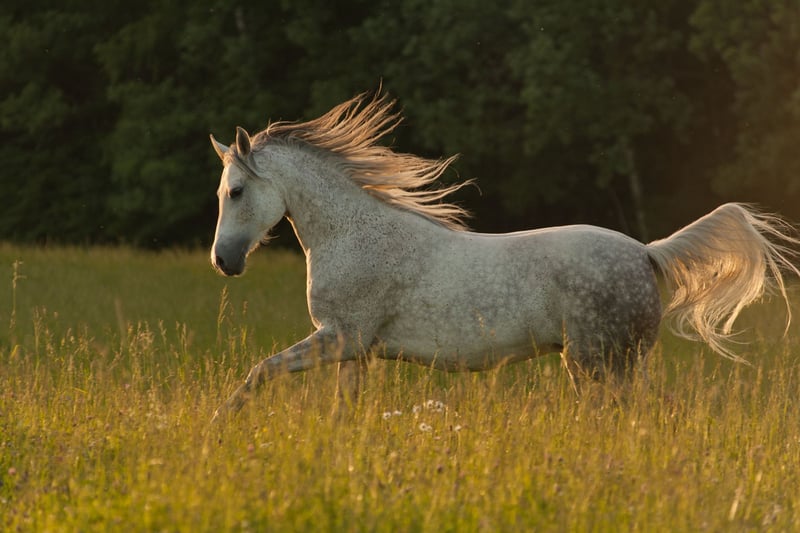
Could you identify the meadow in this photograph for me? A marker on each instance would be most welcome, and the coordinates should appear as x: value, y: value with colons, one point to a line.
x: 112, y: 362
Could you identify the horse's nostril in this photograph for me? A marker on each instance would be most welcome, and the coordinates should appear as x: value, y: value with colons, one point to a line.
x: 219, y: 261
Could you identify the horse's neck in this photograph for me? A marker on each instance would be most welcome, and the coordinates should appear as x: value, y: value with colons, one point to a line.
x: 323, y: 203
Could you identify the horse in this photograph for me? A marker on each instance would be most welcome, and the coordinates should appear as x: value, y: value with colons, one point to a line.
x: 394, y: 273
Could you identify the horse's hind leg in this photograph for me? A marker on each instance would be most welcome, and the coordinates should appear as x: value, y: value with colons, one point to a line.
x: 601, y: 360
x: 351, y: 376
x: 598, y: 375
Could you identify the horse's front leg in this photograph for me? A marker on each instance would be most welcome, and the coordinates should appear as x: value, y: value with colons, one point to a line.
x: 324, y: 346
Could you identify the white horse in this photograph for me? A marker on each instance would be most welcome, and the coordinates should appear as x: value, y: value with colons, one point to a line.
x: 392, y: 272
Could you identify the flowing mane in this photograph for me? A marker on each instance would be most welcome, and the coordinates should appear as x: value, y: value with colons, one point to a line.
x: 352, y: 131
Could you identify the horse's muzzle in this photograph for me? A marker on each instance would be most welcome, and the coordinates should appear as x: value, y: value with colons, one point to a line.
x: 226, y: 268
x: 229, y: 262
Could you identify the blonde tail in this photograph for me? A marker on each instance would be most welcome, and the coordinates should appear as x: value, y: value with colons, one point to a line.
x: 719, y: 264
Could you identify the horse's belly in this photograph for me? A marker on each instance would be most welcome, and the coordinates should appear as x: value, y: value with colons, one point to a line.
x: 461, y: 323
x: 455, y: 350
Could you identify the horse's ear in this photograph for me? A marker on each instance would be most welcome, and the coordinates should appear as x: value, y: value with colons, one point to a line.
x: 242, y: 142
x: 220, y: 148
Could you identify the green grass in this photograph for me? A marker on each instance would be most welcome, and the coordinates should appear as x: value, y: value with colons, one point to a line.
x: 112, y: 362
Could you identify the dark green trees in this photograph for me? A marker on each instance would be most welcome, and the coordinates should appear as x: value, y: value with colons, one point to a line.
x: 638, y: 116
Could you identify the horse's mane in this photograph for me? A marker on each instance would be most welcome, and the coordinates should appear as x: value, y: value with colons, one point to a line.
x: 352, y: 130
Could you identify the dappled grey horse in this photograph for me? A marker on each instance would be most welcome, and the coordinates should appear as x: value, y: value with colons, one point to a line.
x: 393, y: 273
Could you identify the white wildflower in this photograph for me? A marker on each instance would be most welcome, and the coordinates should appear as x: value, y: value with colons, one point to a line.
x: 434, y: 405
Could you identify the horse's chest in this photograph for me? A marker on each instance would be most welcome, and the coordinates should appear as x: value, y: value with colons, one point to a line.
x: 349, y: 293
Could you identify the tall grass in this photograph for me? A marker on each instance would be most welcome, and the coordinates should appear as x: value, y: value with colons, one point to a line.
x: 112, y: 362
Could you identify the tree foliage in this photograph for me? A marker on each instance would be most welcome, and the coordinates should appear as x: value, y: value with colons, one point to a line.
x: 637, y: 116
x: 757, y: 42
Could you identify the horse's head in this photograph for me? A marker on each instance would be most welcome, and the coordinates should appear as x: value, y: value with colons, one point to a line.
x: 249, y: 206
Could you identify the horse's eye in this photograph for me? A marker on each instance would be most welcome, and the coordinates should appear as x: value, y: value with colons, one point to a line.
x: 234, y: 193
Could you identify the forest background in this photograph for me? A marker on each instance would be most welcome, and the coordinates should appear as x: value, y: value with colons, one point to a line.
x: 639, y: 116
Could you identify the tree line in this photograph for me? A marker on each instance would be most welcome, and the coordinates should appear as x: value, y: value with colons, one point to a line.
x: 638, y: 116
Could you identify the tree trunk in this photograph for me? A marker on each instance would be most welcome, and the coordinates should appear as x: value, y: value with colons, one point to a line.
x: 635, y: 183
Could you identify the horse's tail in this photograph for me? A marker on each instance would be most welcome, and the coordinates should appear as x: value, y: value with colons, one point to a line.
x: 720, y: 263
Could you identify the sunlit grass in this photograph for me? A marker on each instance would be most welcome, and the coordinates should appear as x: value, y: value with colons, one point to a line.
x: 116, y: 360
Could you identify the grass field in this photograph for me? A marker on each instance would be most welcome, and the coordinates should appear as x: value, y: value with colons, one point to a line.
x: 112, y: 362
